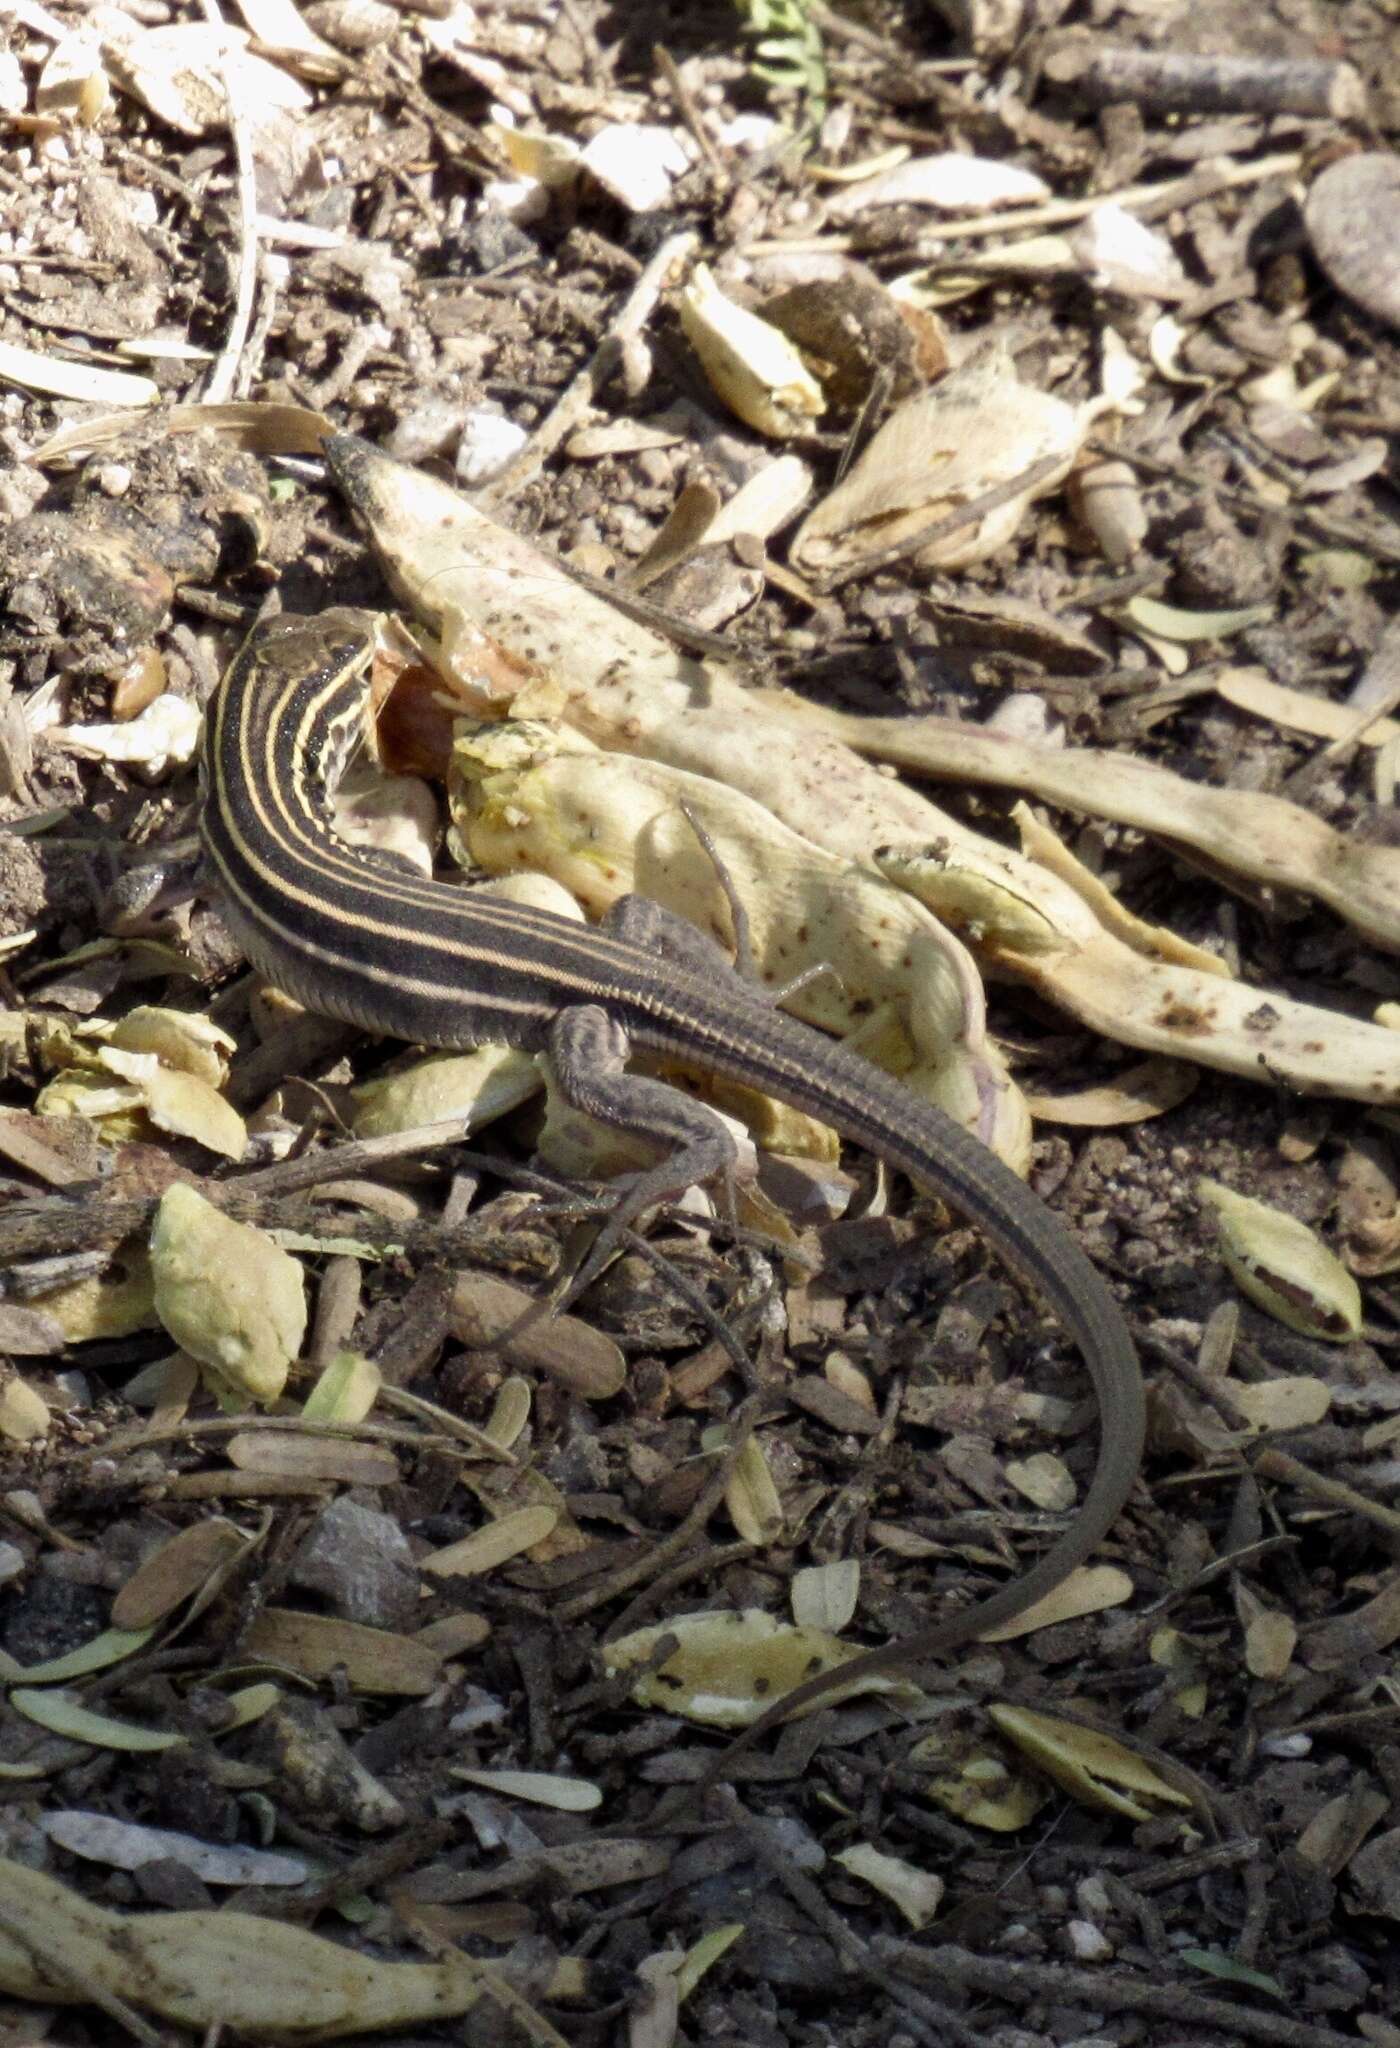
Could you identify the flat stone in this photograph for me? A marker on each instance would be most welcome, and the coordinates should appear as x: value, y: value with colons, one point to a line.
x: 360, y: 1562
x: 1352, y: 216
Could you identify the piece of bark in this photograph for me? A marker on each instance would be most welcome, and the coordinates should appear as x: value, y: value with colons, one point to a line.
x: 1182, y: 81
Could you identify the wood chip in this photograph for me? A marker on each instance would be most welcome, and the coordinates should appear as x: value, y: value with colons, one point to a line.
x: 485, y: 1312
x: 301, y: 1455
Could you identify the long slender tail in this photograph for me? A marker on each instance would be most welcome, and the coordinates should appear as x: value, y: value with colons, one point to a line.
x: 942, y: 1157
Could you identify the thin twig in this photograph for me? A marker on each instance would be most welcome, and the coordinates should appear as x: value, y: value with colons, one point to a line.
x: 1024, y: 1983
x: 1276, y: 1464
x: 1163, y: 195
x: 637, y: 309
x: 693, y: 118
x: 945, y: 528
x: 223, y: 376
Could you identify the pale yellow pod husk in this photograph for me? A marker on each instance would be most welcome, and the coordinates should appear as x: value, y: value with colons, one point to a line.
x: 752, y: 366
x: 227, y: 1294
x: 1283, y: 1266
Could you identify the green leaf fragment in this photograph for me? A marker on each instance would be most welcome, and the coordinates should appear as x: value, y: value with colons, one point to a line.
x: 62, y: 1715
x: 1225, y: 1967
x: 104, y: 1650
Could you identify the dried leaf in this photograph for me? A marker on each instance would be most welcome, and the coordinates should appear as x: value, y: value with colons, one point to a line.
x: 180, y: 1040
x: 63, y: 1715
x: 374, y: 1659
x: 1337, y: 1830
x: 1087, y: 1590
x: 917, y: 1893
x: 492, y: 1546
x: 704, y: 1955
x: 454, y: 1634
x: 98, y: 1654
x: 1170, y: 622
x: 977, y: 429
x: 261, y: 429
x: 62, y: 378
x: 177, y: 1570
x: 249, y: 1704
x: 510, y: 1412
x: 1107, y: 499
x: 477, y: 1086
x: 278, y: 24
x: 1123, y: 254
x: 542, y: 1788
x: 489, y: 1313
x: 302, y: 1454
x: 951, y: 182
x: 974, y: 1783
x: 1045, y: 1480
x: 1251, y: 690
x: 824, y: 1596
x: 1292, y: 1401
x: 1270, y: 1638
x: 1231, y: 1972
x: 345, y: 1392
x: 636, y: 163
x: 752, y: 1498
x: 125, y: 1846
x: 731, y: 1666
x: 188, y: 1107
x: 1135, y: 1095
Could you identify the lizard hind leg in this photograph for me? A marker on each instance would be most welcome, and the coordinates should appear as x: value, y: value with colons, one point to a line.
x: 588, y: 1051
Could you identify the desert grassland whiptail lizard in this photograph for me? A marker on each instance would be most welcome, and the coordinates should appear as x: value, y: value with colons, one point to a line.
x: 356, y: 938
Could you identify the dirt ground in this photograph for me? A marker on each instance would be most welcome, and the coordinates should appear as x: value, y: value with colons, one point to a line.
x: 1170, y: 1813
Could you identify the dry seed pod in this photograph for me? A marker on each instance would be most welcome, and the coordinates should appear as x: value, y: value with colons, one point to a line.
x: 352, y: 25
x: 976, y: 430
x: 1091, y: 1766
x: 851, y: 329
x: 1283, y: 1266
x: 1108, y: 500
x: 753, y: 368
x: 227, y: 1294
